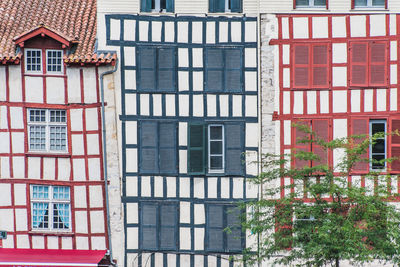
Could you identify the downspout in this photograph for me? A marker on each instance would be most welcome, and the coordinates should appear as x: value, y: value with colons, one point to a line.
x: 103, y: 125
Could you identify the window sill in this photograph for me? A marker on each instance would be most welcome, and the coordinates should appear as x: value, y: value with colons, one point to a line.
x: 48, y: 154
x: 369, y: 9
x: 304, y: 8
x: 36, y: 74
x: 50, y: 233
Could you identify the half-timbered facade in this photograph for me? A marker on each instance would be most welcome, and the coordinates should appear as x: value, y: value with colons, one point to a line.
x: 188, y: 114
x: 51, y: 164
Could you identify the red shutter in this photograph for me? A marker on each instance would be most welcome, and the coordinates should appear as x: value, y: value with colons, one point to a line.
x: 320, y: 66
x: 378, y: 63
x: 321, y: 130
x: 360, y: 126
x: 301, y: 66
x: 359, y: 62
x: 395, y: 144
x: 300, y: 135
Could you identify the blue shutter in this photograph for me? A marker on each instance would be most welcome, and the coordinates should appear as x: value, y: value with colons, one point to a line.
x: 169, y: 220
x: 166, y: 69
x: 236, y: 5
x: 196, y: 149
x: 170, y: 5
x: 149, y: 226
x: 167, y: 145
x: 145, y: 5
x: 233, y: 70
x: 211, y: 6
x: 233, y: 220
x: 147, y: 65
x: 215, y: 231
x: 215, y: 70
x: 234, y: 136
x: 148, y: 147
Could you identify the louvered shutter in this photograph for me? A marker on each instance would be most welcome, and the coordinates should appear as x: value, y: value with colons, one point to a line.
x: 215, y: 69
x: 320, y: 66
x: 196, y: 149
x: 359, y: 62
x: 170, y: 5
x: 145, y: 5
x: 233, y: 70
x: 234, y: 147
x: 166, y: 69
x: 169, y: 220
x: 167, y: 147
x: 147, y: 66
x: 321, y: 130
x: 148, y: 147
x: 236, y: 5
x: 301, y: 66
x: 395, y: 144
x: 378, y: 63
x: 149, y: 226
x: 360, y: 126
x: 215, y: 228
x: 300, y: 135
x: 233, y: 239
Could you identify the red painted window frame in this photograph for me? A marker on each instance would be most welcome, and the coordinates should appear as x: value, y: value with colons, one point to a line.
x: 327, y: 4
x: 354, y: 7
x: 311, y: 65
x: 368, y: 64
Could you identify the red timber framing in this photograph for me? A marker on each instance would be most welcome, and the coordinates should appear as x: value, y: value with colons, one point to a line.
x: 16, y: 163
x: 373, y: 99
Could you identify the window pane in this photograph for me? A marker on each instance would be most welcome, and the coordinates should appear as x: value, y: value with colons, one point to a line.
x: 37, y: 137
x: 61, y: 216
x: 380, y: 3
x: 319, y: 2
x: 216, y: 132
x: 40, y: 215
x: 379, y: 146
x: 377, y: 165
x: 378, y: 128
x: 302, y: 3
x: 215, y: 162
x: 216, y: 147
x: 163, y: 4
x: 360, y: 2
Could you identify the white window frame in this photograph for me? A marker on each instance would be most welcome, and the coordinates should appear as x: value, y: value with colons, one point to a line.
x: 26, y: 60
x: 311, y: 4
x: 369, y: 5
x: 47, y: 124
x: 157, y: 7
x: 62, y: 65
x: 209, y: 155
x: 371, y: 122
x: 51, y: 201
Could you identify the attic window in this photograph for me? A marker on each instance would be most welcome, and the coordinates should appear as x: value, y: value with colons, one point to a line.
x: 33, y: 60
x: 54, y: 60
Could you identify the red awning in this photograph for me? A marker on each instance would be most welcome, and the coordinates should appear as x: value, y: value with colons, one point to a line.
x: 50, y: 257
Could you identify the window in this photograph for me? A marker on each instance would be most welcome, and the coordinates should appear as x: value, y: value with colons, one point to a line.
x: 219, y: 217
x: 50, y: 207
x: 225, y: 6
x: 370, y: 3
x: 158, y: 228
x: 158, y: 150
x: 224, y: 69
x: 216, y: 148
x: 54, y: 60
x: 47, y: 130
x: 368, y: 64
x: 378, y: 148
x: 310, y: 3
x: 311, y: 66
x: 157, y: 6
x: 157, y: 68
x: 33, y: 60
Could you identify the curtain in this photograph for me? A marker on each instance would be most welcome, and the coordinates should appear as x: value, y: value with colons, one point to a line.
x: 40, y: 215
x: 63, y: 213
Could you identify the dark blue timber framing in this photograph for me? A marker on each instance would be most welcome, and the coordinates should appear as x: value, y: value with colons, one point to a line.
x: 146, y: 256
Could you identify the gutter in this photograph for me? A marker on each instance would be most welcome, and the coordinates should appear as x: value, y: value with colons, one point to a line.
x: 103, y: 125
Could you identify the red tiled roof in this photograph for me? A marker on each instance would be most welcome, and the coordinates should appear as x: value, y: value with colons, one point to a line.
x: 71, y: 19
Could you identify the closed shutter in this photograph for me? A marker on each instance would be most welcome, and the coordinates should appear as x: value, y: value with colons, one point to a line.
x: 360, y: 126
x: 233, y: 68
x: 166, y: 69
x: 167, y: 147
x: 321, y: 130
x: 215, y: 228
x: 148, y: 147
x: 236, y: 5
x: 234, y: 136
x: 395, y: 144
x: 147, y: 63
x: 301, y: 66
x: 145, y: 5
x: 378, y: 63
x: 359, y: 62
x: 320, y: 66
x: 234, y: 237
x: 301, y: 135
x: 170, y: 5
x: 214, y: 69
x: 149, y: 226
x: 196, y: 149
x: 168, y: 220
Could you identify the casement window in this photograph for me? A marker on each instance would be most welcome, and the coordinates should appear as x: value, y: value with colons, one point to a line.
x: 47, y: 130
x: 321, y: 129
x: 224, y: 69
x: 158, y: 227
x: 311, y: 66
x: 158, y: 147
x: 310, y: 3
x: 219, y: 217
x: 216, y: 148
x: 368, y: 65
x: 225, y: 6
x: 33, y: 60
x: 156, y: 68
x: 157, y: 6
x: 369, y: 3
x: 377, y: 150
x: 51, y: 207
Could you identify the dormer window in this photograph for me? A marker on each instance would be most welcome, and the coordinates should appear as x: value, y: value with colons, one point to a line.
x: 54, y: 60
x: 34, y: 61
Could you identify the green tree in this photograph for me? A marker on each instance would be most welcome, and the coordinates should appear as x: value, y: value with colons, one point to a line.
x: 322, y: 219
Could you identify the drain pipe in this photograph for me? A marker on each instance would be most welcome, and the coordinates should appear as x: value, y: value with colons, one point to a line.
x: 103, y: 125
